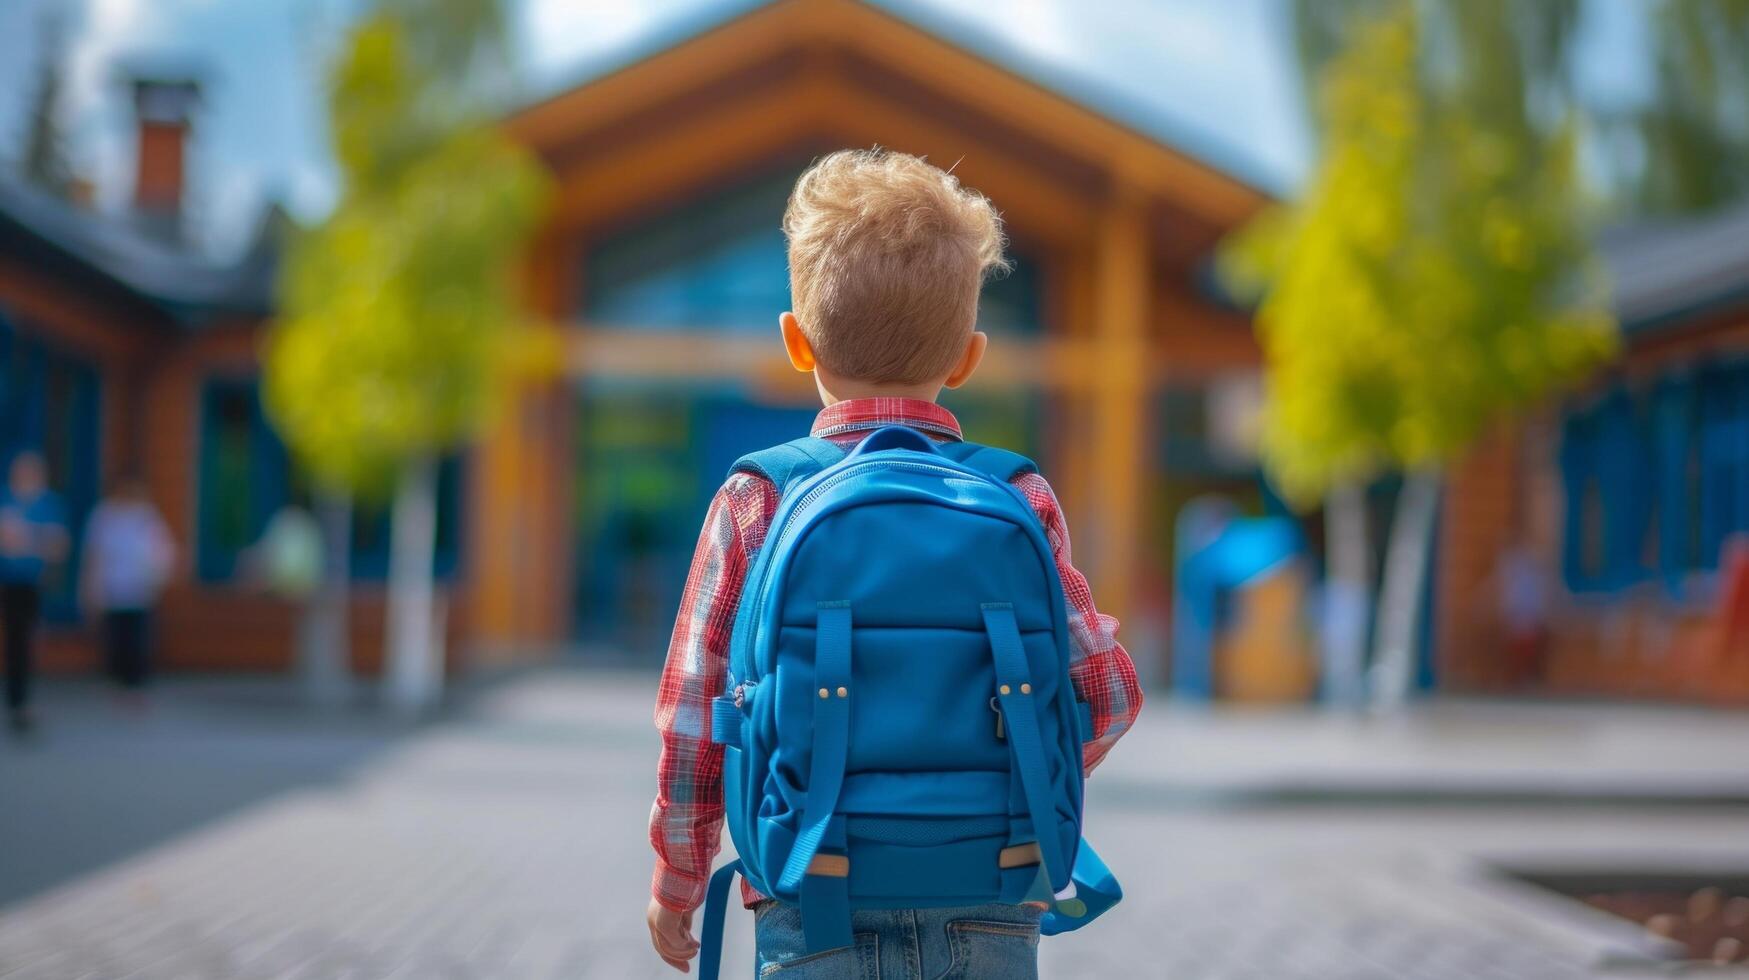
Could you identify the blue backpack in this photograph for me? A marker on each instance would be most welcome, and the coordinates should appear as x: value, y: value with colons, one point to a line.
x: 900, y: 730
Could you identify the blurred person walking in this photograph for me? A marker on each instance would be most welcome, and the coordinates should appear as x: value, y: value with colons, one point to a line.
x: 33, y: 533
x: 129, y: 554
x: 1521, y: 585
x: 288, y: 558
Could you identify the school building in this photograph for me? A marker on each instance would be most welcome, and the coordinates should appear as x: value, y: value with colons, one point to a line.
x: 1632, y: 495
x: 1114, y: 360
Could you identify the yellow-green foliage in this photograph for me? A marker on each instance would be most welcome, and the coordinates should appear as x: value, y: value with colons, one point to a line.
x: 1695, y: 127
x: 1435, y: 273
x: 400, y: 321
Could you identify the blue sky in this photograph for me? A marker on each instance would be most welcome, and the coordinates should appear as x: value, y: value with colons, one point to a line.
x: 1218, y: 73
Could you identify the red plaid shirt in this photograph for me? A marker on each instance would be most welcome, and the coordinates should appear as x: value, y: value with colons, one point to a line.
x: 687, y: 820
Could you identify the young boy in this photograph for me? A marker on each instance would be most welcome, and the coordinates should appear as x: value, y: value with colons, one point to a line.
x: 887, y: 255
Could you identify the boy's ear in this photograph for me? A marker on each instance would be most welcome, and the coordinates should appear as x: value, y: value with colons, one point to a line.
x: 801, y: 353
x: 970, y: 360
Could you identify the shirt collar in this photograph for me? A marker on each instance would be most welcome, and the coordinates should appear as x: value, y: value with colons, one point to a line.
x: 861, y: 414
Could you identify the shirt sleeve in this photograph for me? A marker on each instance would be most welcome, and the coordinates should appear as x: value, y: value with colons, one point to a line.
x: 687, y: 819
x: 1103, y: 674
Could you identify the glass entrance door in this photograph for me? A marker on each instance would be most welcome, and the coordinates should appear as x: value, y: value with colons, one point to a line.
x: 649, y: 457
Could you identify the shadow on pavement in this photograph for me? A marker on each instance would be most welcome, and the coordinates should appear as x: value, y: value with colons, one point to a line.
x: 101, y: 780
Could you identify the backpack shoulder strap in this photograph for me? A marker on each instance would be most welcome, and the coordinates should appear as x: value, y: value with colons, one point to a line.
x: 999, y: 463
x: 790, y: 463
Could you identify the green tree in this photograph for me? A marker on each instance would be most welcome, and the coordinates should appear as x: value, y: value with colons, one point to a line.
x: 45, y: 152
x: 400, y: 328
x: 1694, y: 131
x: 1435, y: 274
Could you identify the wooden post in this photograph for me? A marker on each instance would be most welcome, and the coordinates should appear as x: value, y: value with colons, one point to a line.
x: 515, y: 523
x: 1121, y: 303
x: 492, y: 565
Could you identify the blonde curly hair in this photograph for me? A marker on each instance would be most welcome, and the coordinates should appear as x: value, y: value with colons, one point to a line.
x: 887, y: 254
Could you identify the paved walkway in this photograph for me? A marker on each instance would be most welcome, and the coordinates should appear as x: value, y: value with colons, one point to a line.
x: 227, y: 835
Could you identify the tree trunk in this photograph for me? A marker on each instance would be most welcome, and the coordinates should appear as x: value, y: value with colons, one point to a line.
x: 1347, y: 595
x: 1406, y: 567
x: 324, y: 650
x: 415, y: 676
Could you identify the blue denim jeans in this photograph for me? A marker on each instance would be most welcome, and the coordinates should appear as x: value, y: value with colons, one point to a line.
x: 975, y: 942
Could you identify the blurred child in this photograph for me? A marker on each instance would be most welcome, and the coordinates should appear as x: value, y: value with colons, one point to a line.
x: 887, y: 255
x: 288, y: 558
x: 33, y: 534
x: 128, y: 558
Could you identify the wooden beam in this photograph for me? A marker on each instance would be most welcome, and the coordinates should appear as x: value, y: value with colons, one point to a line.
x: 658, y: 170
x: 805, y: 28
x: 1135, y: 160
x: 1194, y: 339
x: 1045, y: 209
x: 825, y: 110
x: 645, y: 85
x: 1071, y: 452
x: 1122, y: 267
x: 492, y: 579
x: 597, y: 351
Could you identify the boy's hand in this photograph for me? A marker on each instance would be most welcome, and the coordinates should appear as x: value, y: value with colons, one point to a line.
x: 671, y: 934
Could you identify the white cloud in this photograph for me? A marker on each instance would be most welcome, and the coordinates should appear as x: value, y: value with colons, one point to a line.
x: 1216, y: 69
x: 95, y: 105
x: 557, y: 34
x: 1220, y: 69
x: 231, y: 193
x: 314, y: 190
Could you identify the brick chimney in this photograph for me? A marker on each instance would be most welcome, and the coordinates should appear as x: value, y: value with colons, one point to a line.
x: 164, y: 111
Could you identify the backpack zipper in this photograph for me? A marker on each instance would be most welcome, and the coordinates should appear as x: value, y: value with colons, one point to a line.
x: 813, y: 493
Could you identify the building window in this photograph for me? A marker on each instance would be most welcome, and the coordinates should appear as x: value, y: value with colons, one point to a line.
x: 243, y: 477
x: 1605, y: 463
x: 1723, y: 465
x: 1675, y: 458
x: 49, y: 403
x: 1013, y: 419
x: 718, y: 263
x: 246, y: 475
x: 1012, y: 303
x: 647, y: 460
x: 1656, y: 479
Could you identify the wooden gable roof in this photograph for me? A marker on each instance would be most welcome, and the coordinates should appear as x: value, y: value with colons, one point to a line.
x: 795, y: 77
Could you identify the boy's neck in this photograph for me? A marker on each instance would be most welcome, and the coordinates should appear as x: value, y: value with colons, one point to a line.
x: 835, y: 390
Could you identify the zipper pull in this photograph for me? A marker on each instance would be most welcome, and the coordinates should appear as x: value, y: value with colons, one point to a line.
x: 1001, y: 734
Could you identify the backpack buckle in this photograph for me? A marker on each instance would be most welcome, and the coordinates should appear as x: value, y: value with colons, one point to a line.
x: 830, y: 866
x: 1019, y: 856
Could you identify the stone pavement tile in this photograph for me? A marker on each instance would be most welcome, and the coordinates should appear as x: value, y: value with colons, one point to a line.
x: 510, y: 843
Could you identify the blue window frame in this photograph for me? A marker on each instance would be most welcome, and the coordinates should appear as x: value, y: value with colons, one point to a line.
x: 720, y: 263
x: 50, y: 403
x: 1723, y: 395
x: 648, y: 458
x: 1656, y: 479
x: 246, y: 475
x: 1675, y: 467
x: 1607, y: 478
